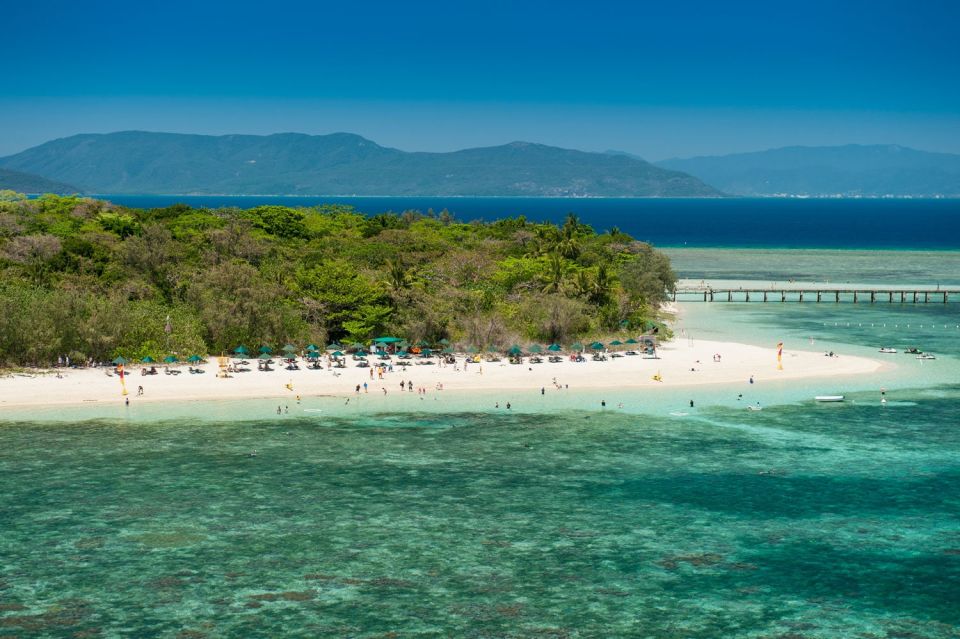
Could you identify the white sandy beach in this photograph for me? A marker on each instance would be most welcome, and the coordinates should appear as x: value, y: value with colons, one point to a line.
x: 682, y: 362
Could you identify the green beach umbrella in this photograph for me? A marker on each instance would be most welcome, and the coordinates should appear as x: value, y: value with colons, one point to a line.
x: 473, y: 349
x: 632, y: 341
x: 289, y: 348
x: 448, y: 349
x: 335, y: 347
x: 121, y: 360
x: 402, y: 353
x: 492, y: 349
x: 388, y: 340
x: 515, y: 350
x: 361, y: 353
x: 312, y: 348
x: 403, y: 344
x: 423, y: 343
x: 597, y: 346
x: 264, y: 356
x: 241, y: 350
x: 535, y: 348
x: 616, y: 342
x: 148, y: 360
x: 426, y: 351
x: 193, y: 359
x: 444, y: 341
x: 337, y: 354
x: 266, y: 349
x: 170, y: 359
x: 556, y: 348
x: 313, y: 355
x: 577, y: 346
x: 356, y: 346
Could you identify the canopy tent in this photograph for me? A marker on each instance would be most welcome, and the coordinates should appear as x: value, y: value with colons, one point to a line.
x: 387, y: 340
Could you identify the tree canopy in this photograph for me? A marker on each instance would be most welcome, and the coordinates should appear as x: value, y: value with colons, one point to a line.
x: 91, y: 279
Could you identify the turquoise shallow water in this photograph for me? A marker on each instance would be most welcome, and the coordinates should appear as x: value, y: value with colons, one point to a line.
x: 794, y: 521
x: 557, y: 519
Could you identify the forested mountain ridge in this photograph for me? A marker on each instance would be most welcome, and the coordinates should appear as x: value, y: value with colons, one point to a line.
x: 338, y: 164
x: 91, y: 279
x: 29, y: 183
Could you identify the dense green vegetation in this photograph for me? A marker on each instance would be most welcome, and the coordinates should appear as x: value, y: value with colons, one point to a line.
x: 86, y: 278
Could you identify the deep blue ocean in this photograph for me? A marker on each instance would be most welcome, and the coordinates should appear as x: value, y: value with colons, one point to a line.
x: 735, y: 222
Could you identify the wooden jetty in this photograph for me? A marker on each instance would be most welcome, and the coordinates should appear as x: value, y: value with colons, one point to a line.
x: 808, y: 294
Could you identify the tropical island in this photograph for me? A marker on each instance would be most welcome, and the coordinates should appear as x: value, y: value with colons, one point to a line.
x: 300, y: 290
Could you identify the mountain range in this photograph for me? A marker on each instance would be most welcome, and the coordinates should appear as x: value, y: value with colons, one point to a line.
x: 30, y: 183
x: 850, y: 170
x: 338, y: 164
x: 347, y: 164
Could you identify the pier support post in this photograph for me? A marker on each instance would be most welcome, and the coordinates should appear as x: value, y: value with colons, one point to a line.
x: 801, y: 296
x: 783, y: 296
x: 729, y: 296
x: 764, y: 296
x: 711, y: 295
x: 926, y: 297
x: 704, y: 296
x: 902, y: 297
x: 747, y: 293
x: 944, y: 297
x: 891, y: 297
x: 819, y: 293
x: 836, y: 296
x: 873, y: 297
x: 854, y: 297
x: 914, y: 297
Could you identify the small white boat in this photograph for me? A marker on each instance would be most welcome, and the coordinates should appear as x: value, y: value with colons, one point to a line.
x: 829, y: 398
x: 887, y: 349
x: 754, y: 408
x: 926, y: 356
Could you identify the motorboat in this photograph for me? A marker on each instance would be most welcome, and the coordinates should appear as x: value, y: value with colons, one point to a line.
x: 913, y: 351
x: 926, y: 356
x: 829, y: 398
x: 887, y: 349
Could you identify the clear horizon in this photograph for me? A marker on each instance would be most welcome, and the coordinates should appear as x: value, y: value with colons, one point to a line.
x: 655, y: 81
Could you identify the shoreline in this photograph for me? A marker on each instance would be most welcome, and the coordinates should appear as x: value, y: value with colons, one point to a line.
x: 738, y: 363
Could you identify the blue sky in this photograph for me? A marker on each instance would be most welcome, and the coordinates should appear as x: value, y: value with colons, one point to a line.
x: 654, y: 78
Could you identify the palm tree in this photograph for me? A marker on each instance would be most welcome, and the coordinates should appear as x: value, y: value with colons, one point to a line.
x: 553, y: 278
